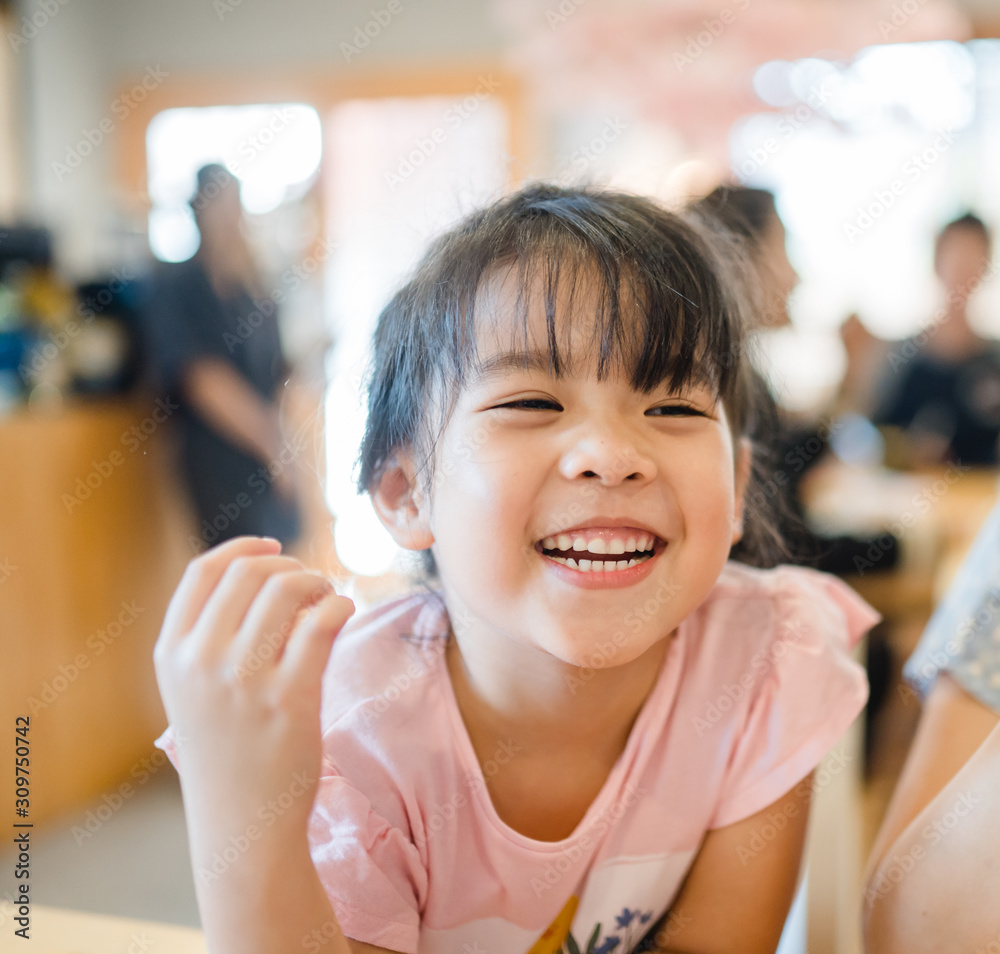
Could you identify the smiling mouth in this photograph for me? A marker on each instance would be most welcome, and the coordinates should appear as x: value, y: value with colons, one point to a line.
x: 597, y: 554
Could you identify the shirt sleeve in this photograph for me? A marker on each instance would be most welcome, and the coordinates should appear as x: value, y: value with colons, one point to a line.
x: 811, y: 690
x: 371, y: 871
x: 962, y: 636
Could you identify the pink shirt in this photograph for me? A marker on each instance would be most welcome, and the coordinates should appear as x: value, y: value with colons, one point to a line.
x: 755, y: 688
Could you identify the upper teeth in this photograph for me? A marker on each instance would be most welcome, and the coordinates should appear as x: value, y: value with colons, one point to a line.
x: 617, y: 544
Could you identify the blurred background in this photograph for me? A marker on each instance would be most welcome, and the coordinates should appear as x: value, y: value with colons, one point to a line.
x: 203, y: 206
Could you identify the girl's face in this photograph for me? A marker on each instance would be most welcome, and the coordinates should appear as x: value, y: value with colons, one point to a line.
x: 574, y: 515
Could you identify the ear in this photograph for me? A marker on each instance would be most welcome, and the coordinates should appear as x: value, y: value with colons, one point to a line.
x: 400, y: 505
x: 743, y: 464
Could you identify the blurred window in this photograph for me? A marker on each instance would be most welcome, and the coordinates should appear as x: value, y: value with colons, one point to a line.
x: 396, y: 173
x: 274, y: 149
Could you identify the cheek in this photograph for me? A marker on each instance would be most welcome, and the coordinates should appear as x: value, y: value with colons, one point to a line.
x: 707, y: 494
x: 482, y: 496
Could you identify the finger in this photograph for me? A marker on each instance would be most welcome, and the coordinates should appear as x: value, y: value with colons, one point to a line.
x: 202, y: 576
x: 272, y: 614
x: 232, y: 598
x: 308, y: 647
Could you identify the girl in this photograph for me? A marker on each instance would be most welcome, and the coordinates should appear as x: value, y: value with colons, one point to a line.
x: 595, y: 731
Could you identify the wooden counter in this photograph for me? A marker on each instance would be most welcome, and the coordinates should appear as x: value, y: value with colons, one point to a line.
x: 92, y: 542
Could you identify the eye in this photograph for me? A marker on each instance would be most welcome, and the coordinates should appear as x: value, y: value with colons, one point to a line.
x: 532, y: 404
x: 676, y: 410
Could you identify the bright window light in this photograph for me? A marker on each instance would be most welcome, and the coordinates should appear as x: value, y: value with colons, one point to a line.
x: 271, y: 148
x: 873, y: 157
x: 398, y: 171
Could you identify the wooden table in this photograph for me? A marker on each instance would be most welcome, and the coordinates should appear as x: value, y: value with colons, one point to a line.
x: 57, y: 931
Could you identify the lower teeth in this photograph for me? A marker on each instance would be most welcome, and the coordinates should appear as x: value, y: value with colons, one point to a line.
x: 597, y: 566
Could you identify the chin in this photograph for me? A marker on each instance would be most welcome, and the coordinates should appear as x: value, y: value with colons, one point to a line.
x: 607, y: 651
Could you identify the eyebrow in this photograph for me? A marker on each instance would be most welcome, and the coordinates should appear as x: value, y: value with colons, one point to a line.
x: 539, y: 361
x: 506, y: 361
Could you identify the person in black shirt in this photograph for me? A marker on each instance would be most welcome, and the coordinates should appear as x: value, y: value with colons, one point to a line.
x: 212, y: 338
x: 942, y: 387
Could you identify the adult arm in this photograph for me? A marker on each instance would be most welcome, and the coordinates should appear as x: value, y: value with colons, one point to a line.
x: 933, y: 876
x: 740, y: 887
x: 227, y: 402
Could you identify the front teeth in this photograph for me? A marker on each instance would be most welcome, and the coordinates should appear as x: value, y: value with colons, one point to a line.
x: 598, y: 566
x: 579, y: 543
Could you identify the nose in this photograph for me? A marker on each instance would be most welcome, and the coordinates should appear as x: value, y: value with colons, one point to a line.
x: 606, y: 457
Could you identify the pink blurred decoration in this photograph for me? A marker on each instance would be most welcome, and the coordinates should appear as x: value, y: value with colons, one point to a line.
x: 690, y: 63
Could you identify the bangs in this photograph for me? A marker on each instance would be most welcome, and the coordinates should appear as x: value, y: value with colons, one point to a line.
x: 642, y: 320
x: 661, y: 295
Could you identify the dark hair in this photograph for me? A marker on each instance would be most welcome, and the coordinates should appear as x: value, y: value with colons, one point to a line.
x: 211, y: 180
x: 687, y: 320
x: 744, y: 211
x: 970, y: 222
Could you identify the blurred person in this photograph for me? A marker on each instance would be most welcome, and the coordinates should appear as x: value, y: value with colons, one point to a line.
x: 214, y: 345
x: 866, y: 354
x: 942, y: 387
x: 751, y: 215
x: 571, y: 732
x: 933, y: 879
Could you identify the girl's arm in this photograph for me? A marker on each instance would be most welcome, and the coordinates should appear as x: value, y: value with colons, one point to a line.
x: 933, y: 878
x: 738, y: 892
x: 240, y: 672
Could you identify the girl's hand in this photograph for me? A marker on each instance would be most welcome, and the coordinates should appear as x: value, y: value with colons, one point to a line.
x: 239, y: 671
